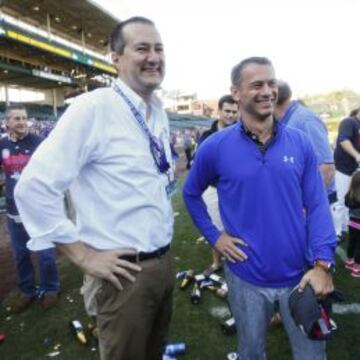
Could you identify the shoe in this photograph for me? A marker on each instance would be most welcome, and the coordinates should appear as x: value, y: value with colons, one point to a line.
x: 355, y: 271
x: 49, y: 300
x: 276, y: 320
x: 23, y: 304
x: 349, y: 263
x: 212, y: 269
x: 232, y: 356
x: 342, y: 237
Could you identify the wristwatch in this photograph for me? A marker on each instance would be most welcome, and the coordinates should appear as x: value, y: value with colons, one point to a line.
x: 325, y: 265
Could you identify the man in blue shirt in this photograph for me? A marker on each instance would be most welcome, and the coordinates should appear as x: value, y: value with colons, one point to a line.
x: 266, y: 175
x: 296, y: 115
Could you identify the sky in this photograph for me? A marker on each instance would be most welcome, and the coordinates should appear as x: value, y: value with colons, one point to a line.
x: 312, y: 43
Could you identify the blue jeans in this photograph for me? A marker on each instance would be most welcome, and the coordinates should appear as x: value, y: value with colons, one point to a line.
x: 252, y: 307
x: 49, y: 278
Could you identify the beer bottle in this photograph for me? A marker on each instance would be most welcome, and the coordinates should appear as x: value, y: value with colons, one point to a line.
x: 78, y: 330
x: 228, y: 326
x: 217, y: 279
x: 175, y: 349
x: 195, y: 294
x: 187, y: 279
x: 222, y: 291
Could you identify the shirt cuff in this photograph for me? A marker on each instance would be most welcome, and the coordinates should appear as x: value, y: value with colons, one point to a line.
x: 64, y: 233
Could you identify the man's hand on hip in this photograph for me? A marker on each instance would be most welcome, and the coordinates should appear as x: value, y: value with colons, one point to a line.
x: 226, y: 245
x: 106, y: 265
x: 320, y: 280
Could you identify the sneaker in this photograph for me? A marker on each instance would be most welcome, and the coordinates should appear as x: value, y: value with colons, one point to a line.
x: 232, y: 356
x: 23, y: 304
x: 49, y: 300
x: 342, y: 237
x: 276, y: 320
x: 349, y: 263
x: 212, y: 269
x: 355, y: 271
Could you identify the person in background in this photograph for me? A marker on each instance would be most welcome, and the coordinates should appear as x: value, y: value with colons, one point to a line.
x: 347, y: 159
x: 352, y: 201
x: 16, y: 151
x: 189, y: 147
x: 293, y: 113
x: 228, y: 113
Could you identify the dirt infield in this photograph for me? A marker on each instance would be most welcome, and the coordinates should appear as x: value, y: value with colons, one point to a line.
x: 7, y: 267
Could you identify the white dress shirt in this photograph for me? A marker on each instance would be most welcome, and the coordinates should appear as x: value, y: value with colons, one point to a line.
x: 99, y: 152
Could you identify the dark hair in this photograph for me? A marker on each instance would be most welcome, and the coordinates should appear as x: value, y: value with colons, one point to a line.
x: 117, y: 41
x: 354, y: 112
x: 226, y: 99
x: 237, y: 69
x: 354, y: 189
x: 12, y: 107
x: 284, y: 92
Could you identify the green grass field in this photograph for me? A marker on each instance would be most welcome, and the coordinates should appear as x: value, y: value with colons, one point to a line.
x: 33, y: 335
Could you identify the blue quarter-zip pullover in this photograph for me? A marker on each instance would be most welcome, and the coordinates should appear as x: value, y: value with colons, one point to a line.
x: 274, y: 200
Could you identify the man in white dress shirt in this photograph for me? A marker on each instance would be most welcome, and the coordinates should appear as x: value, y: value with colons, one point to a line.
x: 111, y: 150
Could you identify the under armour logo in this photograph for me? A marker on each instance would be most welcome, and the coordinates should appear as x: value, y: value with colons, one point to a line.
x: 288, y: 159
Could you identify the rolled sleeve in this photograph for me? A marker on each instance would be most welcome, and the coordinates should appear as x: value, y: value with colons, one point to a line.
x: 39, y: 193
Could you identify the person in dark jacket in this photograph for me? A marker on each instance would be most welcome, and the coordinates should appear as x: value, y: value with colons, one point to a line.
x: 352, y: 201
x: 15, y: 152
x: 228, y: 111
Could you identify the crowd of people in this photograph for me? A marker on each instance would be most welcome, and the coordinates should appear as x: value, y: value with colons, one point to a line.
x: 41, y: 128
x: 261, y: 188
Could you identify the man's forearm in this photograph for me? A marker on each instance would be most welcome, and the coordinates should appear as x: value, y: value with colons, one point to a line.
x: 349, y: 148
x: 328, y: 173
x: 76, y: 252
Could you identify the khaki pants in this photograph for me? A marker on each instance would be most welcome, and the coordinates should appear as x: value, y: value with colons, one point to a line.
x: 133, y: 323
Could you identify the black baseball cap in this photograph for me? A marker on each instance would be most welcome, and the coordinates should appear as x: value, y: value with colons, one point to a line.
x: 312, y: 315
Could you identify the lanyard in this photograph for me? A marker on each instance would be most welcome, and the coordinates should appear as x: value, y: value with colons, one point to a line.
x: 156, y: 145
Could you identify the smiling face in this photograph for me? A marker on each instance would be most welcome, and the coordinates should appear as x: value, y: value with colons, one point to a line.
x: 228, y: 114
x: 16, y: 123
x: 141, y: 65
x: 257, y: 91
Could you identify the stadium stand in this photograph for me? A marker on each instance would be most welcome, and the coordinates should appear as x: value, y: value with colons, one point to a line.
x: 57, y: 47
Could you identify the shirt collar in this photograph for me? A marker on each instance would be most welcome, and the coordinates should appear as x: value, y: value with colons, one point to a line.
x: 135, y: 99
x: 253, y: 136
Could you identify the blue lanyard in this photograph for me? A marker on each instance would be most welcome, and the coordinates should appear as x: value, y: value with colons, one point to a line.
x: 156, y: 145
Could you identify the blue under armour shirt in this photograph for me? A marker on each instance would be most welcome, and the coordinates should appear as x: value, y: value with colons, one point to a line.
x: 275, y: 201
